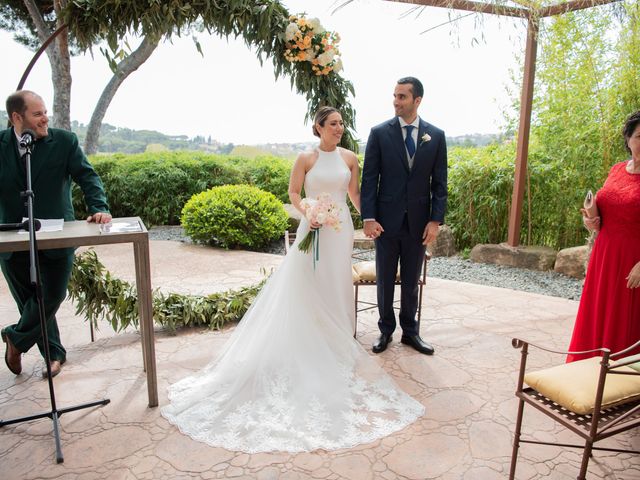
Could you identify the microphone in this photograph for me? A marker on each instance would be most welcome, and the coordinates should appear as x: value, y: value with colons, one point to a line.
x: 27, y: 138
x: 7, y: 227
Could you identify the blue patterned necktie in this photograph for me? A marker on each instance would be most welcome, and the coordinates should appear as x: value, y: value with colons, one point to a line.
x: 408, y: 141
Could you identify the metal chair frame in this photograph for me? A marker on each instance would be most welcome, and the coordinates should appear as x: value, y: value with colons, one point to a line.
x: 601, y: 424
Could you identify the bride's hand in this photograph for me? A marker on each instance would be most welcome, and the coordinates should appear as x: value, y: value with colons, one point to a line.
x: 315, y: 225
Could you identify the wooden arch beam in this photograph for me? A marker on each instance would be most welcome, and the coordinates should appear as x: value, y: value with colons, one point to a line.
x: 471, y: 6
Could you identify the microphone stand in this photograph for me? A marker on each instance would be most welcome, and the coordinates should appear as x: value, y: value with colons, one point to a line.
x: 34, y: 272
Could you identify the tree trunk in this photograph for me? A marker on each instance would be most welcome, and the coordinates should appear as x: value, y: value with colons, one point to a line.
x: 124, y: 68
x: 61, y: 74
x: 58, y: 53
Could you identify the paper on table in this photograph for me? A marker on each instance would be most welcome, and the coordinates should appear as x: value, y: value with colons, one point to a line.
x: 590, y: 209
x: 120, y: 227
x: 47, y: 225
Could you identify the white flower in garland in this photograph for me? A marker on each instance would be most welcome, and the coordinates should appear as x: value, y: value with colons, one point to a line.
x: 306, y: 40
x: 316, y: 26
x: 291, y: 31
x: 326, y: 58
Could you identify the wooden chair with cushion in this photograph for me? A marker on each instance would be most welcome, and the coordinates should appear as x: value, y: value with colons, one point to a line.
x: 364, y: 274
x: 595, y: 398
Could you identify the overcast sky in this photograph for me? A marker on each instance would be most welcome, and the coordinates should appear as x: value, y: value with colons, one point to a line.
x: 228, y: 95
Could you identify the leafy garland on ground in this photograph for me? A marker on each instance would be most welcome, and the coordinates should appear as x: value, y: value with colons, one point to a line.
x: 98, y: 295
x: 261, y: 23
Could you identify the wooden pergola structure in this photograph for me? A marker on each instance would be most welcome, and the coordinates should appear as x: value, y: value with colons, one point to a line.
x: 533, y: 11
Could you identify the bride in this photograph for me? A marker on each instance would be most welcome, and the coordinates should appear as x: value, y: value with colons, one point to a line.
x: 292, y: 377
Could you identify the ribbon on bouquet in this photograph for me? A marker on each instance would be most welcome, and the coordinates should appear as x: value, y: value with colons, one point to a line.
x: 315, y: 248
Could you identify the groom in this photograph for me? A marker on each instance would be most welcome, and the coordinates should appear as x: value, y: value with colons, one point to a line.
x: 404, y: 197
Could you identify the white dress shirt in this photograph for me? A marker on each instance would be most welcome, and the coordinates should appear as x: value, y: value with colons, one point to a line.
x: 21, y: 150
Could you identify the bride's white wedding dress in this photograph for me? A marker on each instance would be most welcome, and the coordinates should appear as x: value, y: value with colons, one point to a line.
x: 291, y: 377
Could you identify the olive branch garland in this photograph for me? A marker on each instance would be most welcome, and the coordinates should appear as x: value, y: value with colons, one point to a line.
x: 98, y: 295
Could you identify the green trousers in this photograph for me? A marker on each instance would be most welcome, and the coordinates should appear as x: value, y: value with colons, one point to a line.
x: 54, y: 275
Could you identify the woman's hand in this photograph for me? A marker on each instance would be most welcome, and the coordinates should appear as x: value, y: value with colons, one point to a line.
x: 315, y: 225
x: 633, y: 279
x: 590, y: 223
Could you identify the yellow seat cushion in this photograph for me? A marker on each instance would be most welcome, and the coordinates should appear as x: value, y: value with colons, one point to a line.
x: 366, y: 271
x: 573, y: 385
x: 354, y: 274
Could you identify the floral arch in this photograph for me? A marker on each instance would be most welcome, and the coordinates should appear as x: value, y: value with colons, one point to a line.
x: 299, y: 48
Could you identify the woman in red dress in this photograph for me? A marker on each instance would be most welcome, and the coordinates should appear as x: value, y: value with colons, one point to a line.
x: 609, y: 311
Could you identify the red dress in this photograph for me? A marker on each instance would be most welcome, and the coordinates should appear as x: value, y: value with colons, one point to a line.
x: 609, y: 312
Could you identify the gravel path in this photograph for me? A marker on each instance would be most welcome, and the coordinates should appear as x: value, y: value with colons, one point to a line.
x: 454, y: 268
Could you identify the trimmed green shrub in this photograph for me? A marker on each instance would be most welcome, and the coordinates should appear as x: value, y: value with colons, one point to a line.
x: 270, y: 174
x: 234, y: 216
x: 156, y: 185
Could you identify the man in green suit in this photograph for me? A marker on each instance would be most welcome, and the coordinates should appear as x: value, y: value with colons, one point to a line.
x: 56, y: 159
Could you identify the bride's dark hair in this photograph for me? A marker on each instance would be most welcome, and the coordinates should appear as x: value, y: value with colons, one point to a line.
x: 321, y: 117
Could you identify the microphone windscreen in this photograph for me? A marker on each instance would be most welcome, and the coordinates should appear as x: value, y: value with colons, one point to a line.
x: 36, y: 224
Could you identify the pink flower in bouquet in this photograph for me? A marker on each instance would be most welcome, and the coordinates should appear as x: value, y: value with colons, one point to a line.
x: 324, y: 211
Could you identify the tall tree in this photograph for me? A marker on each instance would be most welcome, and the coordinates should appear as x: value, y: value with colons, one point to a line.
x: 33, y: 22
x: 121, y: 71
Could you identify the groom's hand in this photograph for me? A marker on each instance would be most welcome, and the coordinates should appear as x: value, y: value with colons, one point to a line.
x: 430, y: 232
x: 372, y: 229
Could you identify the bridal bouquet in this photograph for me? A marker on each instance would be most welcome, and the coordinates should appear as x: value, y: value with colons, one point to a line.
x: 306, y: 40
x: 324, y: 211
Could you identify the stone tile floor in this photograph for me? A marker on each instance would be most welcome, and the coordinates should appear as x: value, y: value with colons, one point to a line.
x: 467, y: 389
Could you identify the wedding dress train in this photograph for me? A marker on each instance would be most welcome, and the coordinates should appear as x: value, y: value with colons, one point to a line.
x: 291, y: 377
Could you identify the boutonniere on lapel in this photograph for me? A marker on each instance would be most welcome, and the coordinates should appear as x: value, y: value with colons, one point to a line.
x: 425, y: 138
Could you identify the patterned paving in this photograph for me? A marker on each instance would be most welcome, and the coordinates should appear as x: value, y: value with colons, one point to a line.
x: 467, y: 389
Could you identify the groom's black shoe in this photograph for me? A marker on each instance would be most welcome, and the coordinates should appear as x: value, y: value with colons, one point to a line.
x: 380, y: 345
x: 417, y: 343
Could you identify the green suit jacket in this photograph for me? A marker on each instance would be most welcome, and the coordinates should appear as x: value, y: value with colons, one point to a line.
x: 56, y: 160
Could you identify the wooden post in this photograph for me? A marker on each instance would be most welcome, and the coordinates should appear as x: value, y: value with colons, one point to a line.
x: 522, y: 154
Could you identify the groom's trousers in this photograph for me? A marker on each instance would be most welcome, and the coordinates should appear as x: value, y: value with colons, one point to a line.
x: 409, y: 251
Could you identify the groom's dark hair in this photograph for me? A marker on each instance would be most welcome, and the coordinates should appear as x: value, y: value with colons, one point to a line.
x: 416, y: 86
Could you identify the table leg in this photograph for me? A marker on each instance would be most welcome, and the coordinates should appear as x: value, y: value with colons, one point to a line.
x: 145, y: 306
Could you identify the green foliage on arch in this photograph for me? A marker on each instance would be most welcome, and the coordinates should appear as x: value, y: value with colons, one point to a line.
x: 261, y: 23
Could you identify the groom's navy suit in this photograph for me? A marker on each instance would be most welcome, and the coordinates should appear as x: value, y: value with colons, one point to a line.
x: 403, y: 200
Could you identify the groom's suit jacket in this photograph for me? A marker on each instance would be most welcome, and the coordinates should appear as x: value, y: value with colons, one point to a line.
x: 390, y: 189
x: 55, y: 161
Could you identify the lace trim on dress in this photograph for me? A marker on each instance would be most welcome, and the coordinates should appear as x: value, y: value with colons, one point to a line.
x: 274, y: 423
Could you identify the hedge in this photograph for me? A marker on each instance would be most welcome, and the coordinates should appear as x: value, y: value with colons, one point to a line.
x: 155, y: 186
